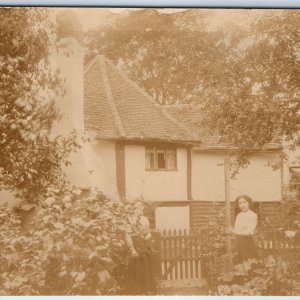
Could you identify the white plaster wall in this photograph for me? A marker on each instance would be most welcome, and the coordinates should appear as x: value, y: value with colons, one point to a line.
x: 170, y: 218
x: 101, y: 165
x: 70, y: 62
x: 258, y: 180
x: 77, y: 171
x: 208, y: 176
x: 154, y: 185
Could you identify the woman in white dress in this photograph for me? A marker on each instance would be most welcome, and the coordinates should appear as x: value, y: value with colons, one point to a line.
x: 244, y: 228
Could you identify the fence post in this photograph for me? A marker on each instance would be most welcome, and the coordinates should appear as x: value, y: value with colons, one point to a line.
x: 157, y: 257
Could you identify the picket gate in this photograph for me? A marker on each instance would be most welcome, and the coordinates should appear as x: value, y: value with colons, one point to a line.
x: 181, y: 256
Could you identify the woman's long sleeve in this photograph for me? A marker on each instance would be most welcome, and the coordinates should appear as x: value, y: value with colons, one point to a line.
x: 245, y: 224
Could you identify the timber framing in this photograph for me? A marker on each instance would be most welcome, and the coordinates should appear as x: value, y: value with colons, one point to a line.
x: 189, y: 174
x: 120, y: 170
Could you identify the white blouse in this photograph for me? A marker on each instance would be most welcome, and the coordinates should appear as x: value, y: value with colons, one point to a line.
x: 245, y: 223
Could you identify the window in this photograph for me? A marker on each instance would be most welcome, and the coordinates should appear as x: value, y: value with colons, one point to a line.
x: 159, y: 158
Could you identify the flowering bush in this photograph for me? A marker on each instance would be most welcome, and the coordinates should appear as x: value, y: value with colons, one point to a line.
x: 275, y: 276
x: 71, y: 248
x: 274, y: 273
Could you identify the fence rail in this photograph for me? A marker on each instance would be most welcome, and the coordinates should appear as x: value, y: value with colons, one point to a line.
x: 273, y: 240
x: 182, y: 255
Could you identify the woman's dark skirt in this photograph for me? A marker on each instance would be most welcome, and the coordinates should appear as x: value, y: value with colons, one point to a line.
x: 141, y: 272
x: 246, y: 249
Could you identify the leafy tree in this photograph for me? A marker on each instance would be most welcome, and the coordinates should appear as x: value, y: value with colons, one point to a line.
x: 245, y: 78
x: 166, y: 54
x: 72, y: 248
x: 30, y: 158
x: 255, y: 99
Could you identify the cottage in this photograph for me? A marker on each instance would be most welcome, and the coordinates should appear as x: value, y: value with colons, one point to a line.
x: 161, y: 155
x: 141, y: 150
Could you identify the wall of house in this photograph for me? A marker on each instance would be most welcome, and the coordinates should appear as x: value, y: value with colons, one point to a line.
x: 100, y: 160
x: 69, y: 61
x: 258, y: 180
x: 170, y: 218
x: 154, y: 185
x: 208, y: 176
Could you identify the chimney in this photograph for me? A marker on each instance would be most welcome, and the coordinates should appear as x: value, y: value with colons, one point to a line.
x: 69, y: 60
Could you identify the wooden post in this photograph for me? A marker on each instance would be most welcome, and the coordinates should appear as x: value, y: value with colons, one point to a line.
x: 227, y: 202
x: 227, y: 187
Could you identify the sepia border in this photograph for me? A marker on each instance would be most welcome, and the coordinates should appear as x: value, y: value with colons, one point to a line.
x: 159, y: 3
x: 284, y: 4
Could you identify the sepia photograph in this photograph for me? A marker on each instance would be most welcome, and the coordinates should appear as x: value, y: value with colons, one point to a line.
x: 149, y: 151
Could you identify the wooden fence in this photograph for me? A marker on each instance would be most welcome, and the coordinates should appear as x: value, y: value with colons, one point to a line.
x: 273, y: 241
x: 182, y: 256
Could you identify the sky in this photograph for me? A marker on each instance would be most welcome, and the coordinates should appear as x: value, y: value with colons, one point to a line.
x: 91, y: 17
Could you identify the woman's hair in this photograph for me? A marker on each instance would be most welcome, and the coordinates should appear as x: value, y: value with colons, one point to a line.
x: 247, y: 198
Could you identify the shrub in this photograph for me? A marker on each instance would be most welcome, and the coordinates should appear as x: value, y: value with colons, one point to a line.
x: 71, y: 248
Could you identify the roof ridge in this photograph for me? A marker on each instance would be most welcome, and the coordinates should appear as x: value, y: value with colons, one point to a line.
x: 110, y: 98
x: 156, y: 105
x: 90, y: 63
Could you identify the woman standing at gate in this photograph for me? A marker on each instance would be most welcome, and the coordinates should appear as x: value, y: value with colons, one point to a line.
x: 244, y: 228
x: 140, y: 273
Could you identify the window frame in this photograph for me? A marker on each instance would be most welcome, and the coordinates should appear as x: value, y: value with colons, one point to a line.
x: 158, y: 149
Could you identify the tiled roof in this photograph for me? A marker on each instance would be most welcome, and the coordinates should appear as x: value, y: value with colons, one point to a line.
x: 193, y: 118
x: 115, y: 107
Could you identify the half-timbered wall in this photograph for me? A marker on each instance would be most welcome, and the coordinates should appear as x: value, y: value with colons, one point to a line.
x: 157, y: 185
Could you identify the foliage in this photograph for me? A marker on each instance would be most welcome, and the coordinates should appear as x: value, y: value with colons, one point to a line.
x: 273, y: 276
x: 213, y: 246
x: 71, y: 248
x: 168, y: 55
x: 256, y: 100
x: 286, y: 214
x: 30, y: 157
x: 213, y: 239
x: 245, y: 78
x: 274, y: 273
x: 289, y: 216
